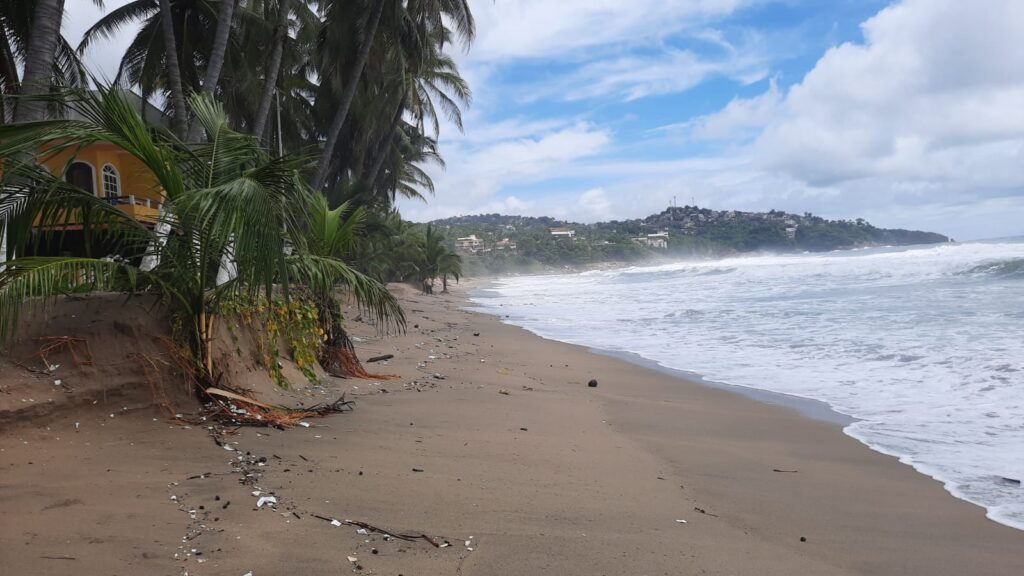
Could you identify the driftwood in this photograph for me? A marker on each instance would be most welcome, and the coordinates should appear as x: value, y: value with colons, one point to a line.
x: 380, y: 358
x: 377, y: 529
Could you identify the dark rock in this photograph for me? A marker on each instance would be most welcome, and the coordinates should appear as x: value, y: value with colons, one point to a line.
x: 592, y: 383
x: 803, y: 538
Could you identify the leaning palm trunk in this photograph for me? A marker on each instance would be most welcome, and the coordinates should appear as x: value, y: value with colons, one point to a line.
x: 180, y: 119
x: 273, y: 69
x: 324, y: 164
x: 216, y: 61
x: 39, y: 57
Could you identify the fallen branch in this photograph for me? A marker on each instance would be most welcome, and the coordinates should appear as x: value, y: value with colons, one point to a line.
x: 789, y: 471
x: 379, y: 530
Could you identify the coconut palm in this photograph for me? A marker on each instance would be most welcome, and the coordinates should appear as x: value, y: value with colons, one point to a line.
x: 417, y: 19
x: 230, y: 199
x: 40, y: 51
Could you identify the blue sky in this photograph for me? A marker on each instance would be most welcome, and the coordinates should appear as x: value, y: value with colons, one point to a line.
x: 908, y: 113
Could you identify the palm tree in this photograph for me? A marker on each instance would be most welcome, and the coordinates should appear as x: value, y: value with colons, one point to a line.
x: 230, y: 197
x: 215, y: 62
x: 417, y: 19
x: 25, y: 45
x: 273, y: 67
x: 39, y: 56
x: 180, y: 118
x: 351, y: 83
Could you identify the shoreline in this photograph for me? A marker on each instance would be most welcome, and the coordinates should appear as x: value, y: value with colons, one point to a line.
x: 491, y: 440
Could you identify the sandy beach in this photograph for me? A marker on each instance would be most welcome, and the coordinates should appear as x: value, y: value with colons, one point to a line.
x: 491, y: 444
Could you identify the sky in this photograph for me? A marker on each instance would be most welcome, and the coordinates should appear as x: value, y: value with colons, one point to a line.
x: 909, y: 114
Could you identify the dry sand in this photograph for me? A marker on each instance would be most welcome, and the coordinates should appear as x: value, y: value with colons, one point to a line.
x: 553, y: 477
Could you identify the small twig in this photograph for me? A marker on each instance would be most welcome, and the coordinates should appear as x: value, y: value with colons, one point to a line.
x: 789, y: 471
x: 703, y: 511
x: 58, y: 558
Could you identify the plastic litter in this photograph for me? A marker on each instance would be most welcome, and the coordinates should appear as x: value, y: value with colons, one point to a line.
x: 353, y: 559
x: 304, y: 424
x: 681, y: 521
x: 270, y: 500
x: 335, y: 523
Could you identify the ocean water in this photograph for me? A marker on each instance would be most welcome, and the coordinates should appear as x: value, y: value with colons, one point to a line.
x: 924, y: 346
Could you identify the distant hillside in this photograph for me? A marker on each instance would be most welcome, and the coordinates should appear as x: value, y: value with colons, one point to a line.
x: 497, y: 243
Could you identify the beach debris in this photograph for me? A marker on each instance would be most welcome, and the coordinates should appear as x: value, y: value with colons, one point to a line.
x: 363, y: 532
x: 592, y: 384
x: 787, y: 471
x: 380, y: 358
x: 1011, y: 481
x: 267, y: 500
x: 387, y: 534
x: 503, y: 371
x: 374, y: 551
x: 703, y: 511
x: 476, y: 333
x: 504, y: 391
x: 803, y: 538
x: 304, y: 424
x: 524, y: 429
x: 58, y: 558
x: 249, y: 573
x: 417, y: 469
x: 680, y: 521
x: 353, y: 559
x: 438, y: 376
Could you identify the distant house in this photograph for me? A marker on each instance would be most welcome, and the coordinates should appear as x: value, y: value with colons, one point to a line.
x: 505, y: 244
x: 791, y: 232
x: 469, y: 243
x: 658, y: 240
x: 562, y: 232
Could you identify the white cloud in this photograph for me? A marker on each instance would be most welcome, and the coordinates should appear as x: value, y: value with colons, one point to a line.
x: 740, y: 117
x: 593, y: 205
x: 516, y: 153
x: 666, y: 72
x: 515, y: 29
x: 934, y: 93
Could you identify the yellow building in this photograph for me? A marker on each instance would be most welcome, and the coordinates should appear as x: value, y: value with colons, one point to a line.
x: 112, y: 174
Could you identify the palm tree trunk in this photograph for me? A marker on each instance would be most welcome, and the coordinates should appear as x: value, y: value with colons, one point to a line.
x: 346, y: 101
x: 382, y: 151
x: 216, y: 63
x: 180, y: 119
x: 9, y: 70
x: 273, y: 69
x: 42, y: 46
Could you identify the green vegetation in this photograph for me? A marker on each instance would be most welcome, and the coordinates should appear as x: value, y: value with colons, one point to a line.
x: 290, y: 128
x: 688, y: 232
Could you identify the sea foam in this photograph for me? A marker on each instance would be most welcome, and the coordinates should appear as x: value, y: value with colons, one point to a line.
x: 922, y: 345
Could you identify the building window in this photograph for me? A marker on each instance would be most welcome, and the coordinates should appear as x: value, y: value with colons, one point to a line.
x: 111, y: 182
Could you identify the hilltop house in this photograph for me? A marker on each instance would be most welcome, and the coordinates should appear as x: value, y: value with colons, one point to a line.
x: 562, y: 232
x: 658, y: 240
x: 469, y: 243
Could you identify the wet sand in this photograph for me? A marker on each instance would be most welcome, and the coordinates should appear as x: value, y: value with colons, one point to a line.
x: 549, y: 477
